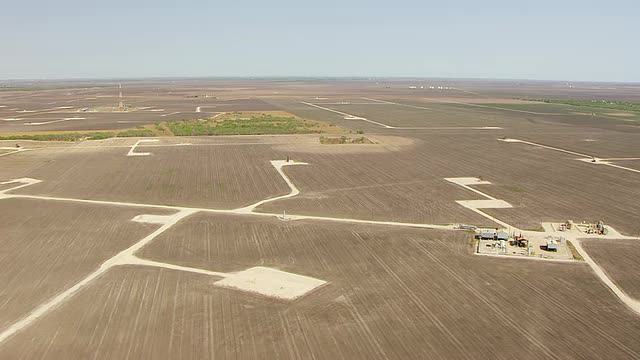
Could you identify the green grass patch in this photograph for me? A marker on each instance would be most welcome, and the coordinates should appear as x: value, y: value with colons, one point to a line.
x: 79, y: 136
x: 136, y: 133
x: 234, y: 125
x: 602, y: 104
x: 227, y: 124
x: 61, y: 136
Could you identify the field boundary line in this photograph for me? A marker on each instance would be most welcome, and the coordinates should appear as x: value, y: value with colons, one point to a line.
x: 116, y: 260
x: 496, y: 107
x: 354, y: 117
x: 632, y: 303
x: 584, y: 157
x: 398, y: 104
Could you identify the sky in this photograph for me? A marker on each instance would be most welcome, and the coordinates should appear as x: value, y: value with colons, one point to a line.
x: 568, y: 40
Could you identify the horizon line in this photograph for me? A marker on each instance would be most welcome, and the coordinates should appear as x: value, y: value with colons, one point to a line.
x: 304, y: 77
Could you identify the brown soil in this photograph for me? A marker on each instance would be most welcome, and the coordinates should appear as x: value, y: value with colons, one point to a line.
x: 50, y: 246
x: 619, y: 259
x: 391, y: 294
x: 206, y: 176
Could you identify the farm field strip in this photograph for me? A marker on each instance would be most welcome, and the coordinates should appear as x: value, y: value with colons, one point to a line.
x: 497, y: 107
x: 239, y: 211
x: 348, y: 116
x: 584, y: 158
x: 70, y: 147
x: 399, y: 104
x: 128, y: 255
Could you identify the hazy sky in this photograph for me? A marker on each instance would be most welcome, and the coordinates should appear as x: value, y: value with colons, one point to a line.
x: 562, y: 40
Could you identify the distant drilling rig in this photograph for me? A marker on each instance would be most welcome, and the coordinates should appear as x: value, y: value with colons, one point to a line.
x: 121, y: 106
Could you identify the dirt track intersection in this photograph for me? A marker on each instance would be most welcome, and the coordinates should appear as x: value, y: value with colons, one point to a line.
x: 217, y: 247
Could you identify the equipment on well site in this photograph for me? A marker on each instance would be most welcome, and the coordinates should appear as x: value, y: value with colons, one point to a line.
x: 552, y: 245
x: 487, y: 234
x: 467, y: 227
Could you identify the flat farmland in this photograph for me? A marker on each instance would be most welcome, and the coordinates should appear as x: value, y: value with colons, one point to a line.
x: 635, y: 164
x: 538, y: 108
x: 598, y: 143
x: 521, y: 117
x: 409, y: 185
x: 619, y: 259
x: 405, y: 188
x: 391, y: 294
x: 49, y: 246
x: 543, y: 185
x: 402, y: 116
x: 74, y: 288
x: 94, y: 108
x: 204, y: 176
x: 552, y: 115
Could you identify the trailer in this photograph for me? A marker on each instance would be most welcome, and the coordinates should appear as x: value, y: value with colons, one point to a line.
x: 488, y: 234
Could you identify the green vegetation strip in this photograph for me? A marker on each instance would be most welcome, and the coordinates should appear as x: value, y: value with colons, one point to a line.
x: 602, y: 104
x: 328, y: 140
x: 79, y: 136
x: 229, y: 124
x: 259, y: 125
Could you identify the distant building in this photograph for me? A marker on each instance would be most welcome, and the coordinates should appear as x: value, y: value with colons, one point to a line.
x: 488, y: 234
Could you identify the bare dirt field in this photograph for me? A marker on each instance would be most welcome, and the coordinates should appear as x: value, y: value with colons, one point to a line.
x: 634, y: 164
x: 389, y: 186
x: 619, y: 258
x: 409, y: 185
x: 391, y: 294
x: 48, y: 247
x: 224, y: 176
x: 369, y: 225
x: 97, y: 108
